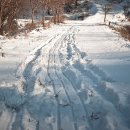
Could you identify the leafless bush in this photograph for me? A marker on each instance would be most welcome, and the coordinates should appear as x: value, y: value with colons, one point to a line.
x: 124, y: 31
x: 11, y: 28
x: 34, y: 4
x: 30, y: 26
x: 8, y: 14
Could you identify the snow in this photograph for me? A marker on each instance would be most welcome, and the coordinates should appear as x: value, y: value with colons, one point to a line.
x: 72, y: 76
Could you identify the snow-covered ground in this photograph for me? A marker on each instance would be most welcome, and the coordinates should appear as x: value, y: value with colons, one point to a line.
x: 74, y: 76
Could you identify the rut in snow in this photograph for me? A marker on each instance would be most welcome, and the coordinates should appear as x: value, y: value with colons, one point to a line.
x: 79, y: 67
x: 58, y: 78
x: 28, y: 83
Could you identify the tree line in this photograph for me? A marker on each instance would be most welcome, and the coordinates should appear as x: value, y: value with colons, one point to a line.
x: 11, y: 10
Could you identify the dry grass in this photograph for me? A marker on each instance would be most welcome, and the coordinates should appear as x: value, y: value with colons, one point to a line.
x: 27, y: 28
x: 124, y: 31
x: 15, y: 30
x: 30, y: 26
x: 10, y: 29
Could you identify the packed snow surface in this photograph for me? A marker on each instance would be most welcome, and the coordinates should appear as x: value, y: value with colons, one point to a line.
x: 74, y: 76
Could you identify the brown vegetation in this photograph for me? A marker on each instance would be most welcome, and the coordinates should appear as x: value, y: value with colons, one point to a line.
x: 10, y: 10
x: 8, y: 14
x: 124, y: 31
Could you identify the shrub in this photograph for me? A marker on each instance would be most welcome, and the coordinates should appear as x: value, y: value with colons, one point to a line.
x: 124, y: 31
x: 30, y: 26
x: 8, y: 14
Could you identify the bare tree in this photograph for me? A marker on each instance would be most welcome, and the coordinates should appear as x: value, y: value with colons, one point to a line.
x: 9, y: 10
x: 106, y: 9
x: 126, y: 10
x: 44, y: 6
x: 8, y: 13
x: 34, y: 4
x: 76, y: 2
x: 57, y: 7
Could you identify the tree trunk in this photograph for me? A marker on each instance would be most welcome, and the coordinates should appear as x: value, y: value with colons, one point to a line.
x: 43, y: 21
x: 32, y: 17
x: 105, y: 17
x: 1, y: 30
x: 76, y: 3
x: 1, y: 18
x: 0, y: 23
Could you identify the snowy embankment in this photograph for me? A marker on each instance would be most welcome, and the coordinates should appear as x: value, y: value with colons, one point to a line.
x: 76, y: 78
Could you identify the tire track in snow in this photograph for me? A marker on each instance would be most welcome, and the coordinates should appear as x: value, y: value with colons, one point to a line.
x: 28, y: 77
x: 52, y: 52
x: 93, y: 73
x: 75, y: 124
x: 71, y: 82
x: 96, y: 75
x: 50, y: 63
x: 71, y: 86
x: 54, y: 88
x: 28, y: 81
x: 80, y: 98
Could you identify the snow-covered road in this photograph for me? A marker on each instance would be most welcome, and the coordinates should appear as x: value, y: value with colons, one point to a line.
x: 77, y: 78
